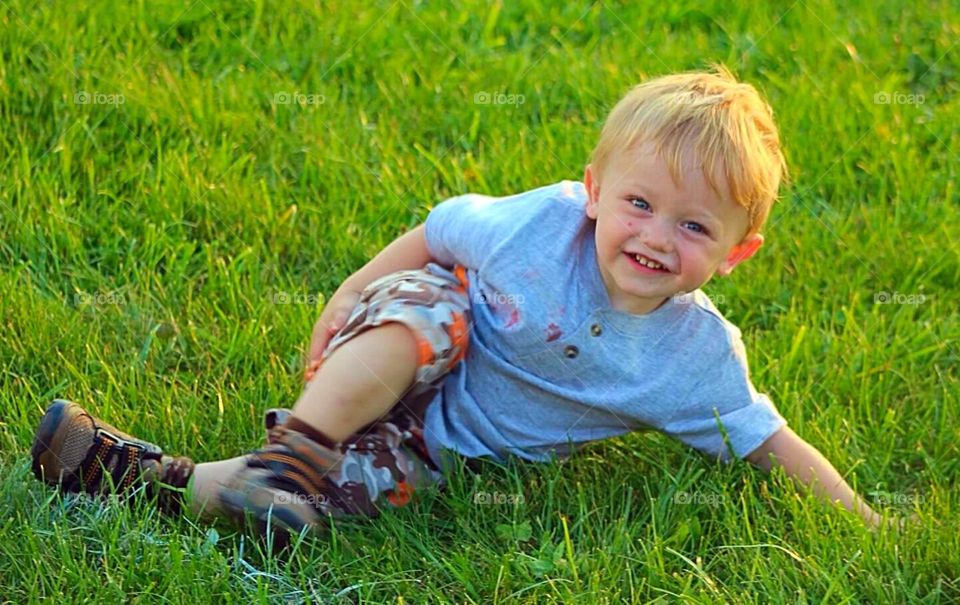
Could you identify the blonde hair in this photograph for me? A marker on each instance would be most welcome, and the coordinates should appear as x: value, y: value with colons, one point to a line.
x: 725, y: 124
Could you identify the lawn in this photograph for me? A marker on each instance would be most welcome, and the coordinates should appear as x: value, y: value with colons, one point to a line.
x: 183, y: 182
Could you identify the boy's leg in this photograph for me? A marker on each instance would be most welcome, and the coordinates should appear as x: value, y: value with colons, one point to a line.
x: 316, y: 463
x: 367, y: 367
x: 356, y: 385
x: 208, y: 478
x: 360, y: 381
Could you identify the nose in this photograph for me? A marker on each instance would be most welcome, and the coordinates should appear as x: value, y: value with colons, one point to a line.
x: 656, y: 235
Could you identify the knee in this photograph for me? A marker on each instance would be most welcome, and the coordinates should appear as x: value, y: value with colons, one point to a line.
x: 400, y: 334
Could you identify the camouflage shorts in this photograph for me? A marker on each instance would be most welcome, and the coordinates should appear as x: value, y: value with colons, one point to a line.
x: 386, y: 461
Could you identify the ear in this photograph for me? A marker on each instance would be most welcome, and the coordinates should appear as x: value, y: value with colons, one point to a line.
x: 739, y: 253
x: 593, y: 191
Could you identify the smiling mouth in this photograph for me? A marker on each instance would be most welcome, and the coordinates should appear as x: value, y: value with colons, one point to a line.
x: 647, y: 262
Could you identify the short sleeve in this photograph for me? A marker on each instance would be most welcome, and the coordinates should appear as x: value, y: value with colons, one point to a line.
x: 725, y: 401
x: 466, y: 230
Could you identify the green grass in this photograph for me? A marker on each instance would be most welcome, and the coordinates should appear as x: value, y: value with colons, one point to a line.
x: 144, y: 244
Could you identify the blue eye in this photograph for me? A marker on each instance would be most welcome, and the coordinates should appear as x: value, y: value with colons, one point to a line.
x: 640, y: 203
x: 696, y: 227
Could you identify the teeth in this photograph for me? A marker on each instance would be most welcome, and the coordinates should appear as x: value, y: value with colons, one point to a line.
x: 646, y: 262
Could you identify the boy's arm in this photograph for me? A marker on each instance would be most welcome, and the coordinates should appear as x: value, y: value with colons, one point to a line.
x: 803, y: 463
x: 409, y: 251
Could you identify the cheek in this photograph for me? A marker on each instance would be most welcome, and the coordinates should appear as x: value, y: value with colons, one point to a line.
x: 608, y: 239
x: 694, y: 254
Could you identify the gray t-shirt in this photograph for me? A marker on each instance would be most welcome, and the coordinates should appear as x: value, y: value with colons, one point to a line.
x: 551, y: 364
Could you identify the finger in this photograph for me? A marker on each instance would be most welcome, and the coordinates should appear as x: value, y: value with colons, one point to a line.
x: 322, y: 338
x: 332, y: 331
x: 341, y: 318
x: 317, y: 346
x: 311, y: 370
x: 320, y: 347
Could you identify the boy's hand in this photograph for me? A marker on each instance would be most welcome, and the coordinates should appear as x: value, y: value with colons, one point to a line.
x: 334, y: 315
x: 806, y: 465
x: 803, y: 463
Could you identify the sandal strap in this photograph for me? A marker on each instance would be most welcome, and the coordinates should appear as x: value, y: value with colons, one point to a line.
x: 275, y: 416
x: 172, y: 489
x: 296, y: 463
x: 288, y: 472
x: 110, y: 450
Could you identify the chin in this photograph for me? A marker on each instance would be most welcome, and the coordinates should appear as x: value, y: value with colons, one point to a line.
x: 645, y: 293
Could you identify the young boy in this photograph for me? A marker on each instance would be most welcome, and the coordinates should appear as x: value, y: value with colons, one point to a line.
x: 522, y: 325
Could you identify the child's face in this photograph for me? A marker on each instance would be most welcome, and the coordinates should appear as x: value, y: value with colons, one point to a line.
x: 685, y: 230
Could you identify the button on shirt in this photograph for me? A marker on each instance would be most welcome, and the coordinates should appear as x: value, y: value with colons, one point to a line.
x: 551, y: 364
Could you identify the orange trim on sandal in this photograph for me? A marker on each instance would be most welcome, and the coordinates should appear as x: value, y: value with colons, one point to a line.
x: 308, y: 473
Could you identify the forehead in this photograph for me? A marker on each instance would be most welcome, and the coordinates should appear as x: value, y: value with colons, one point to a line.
x: 678, y: 176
